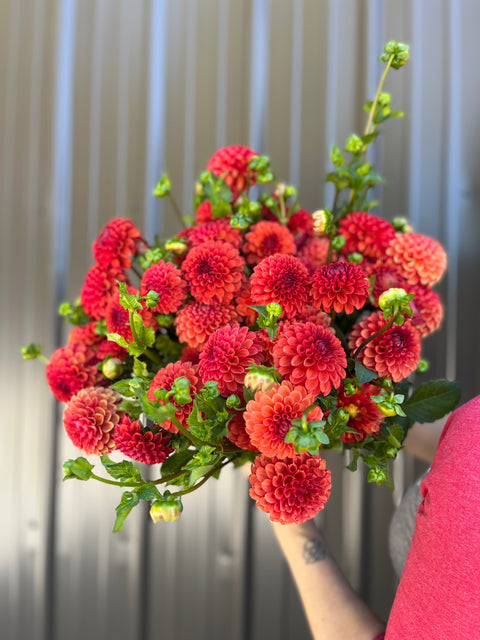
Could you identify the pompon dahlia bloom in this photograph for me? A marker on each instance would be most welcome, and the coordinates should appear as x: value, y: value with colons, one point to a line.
x: 214, y: 272
x: 70, y: 369
x: 427, y: 309
x: 365, y: 417
x: 283, y: 279
x: 90, y: 419
x: 166, y: 279
x: 385, y: 278
x: 265, y: 239
x: 395, y: 353
x: 342, y: 286
x: 86, y: 334
x: 204, y: 212
x: 227, y: 354
x: 231, y: 164
x: 290, y: 490
x: 243, y: 304
x: 196, y: 321
x: 310, y: 355
x: 218, y: 229
x: 268, y: 417
x: 301, y: 222
x: 149, y: 446
x: 366, y: 234
x: 420, y: 259
x: 313, y: 253
x: 99, y: 287
x: 165, y: 378
x: 118, y: 241
x: 238, y: 435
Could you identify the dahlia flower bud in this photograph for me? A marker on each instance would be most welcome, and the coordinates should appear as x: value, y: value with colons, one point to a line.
x: 396, y: 302
x: 166, y: 510
x: 401, y: 224
x: 338, y: 243
x: 322, y: 221
x: 274, y: 310
x: 423, y: 366
x: 163, y: 187
x: 398, y: 50
x: 260, y: 379
x: 354, y: 144
x: 112, y: 368
x: 176, y: 246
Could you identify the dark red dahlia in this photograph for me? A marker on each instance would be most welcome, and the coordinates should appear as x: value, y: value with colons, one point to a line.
x: 268, y: 417
x: 165, y: 378
x: 196, y: 321
x: 283, y: 279
x: 310, y: 355
x: 420, y: 259
x: 365, y: 417
x: 265, y: 239
x: 231, y: 164
x: 99, y: 288
x: 395, y: 353
x: 385, y: 278
x: 301, y: 222
x: 204, y: 212
x: 290, y: 490
x: 90, y: 419
x: 149, y: 446
x: 214, y: 271
x: 166, y: 279
x: 366, y: 234
x: 226, y: 356
x: 342, y: 286
x: 118, y: 241
x: 70, y: 369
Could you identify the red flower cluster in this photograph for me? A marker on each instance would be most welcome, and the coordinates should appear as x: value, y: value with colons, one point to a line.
x: 248, y: 289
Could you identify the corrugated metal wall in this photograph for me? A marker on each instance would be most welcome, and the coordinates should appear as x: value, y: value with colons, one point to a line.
x: 97, y: 99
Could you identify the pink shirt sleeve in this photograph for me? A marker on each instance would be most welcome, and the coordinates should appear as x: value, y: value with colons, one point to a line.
x: 439, y: 591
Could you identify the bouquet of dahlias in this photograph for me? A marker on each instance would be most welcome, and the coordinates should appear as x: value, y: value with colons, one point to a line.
x: 262, y: 332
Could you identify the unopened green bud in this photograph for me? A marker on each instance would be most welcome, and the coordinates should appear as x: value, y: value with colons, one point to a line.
x: 338, y: 243
x: 163, y: 187
x: 422, y: 366
x: 355, y: 257
x: 402, y: 225
x: 152, y: 299
x: 398, y: 50
x: 395, y: 302
x: 259, y: 381
x: 354, y: 144
x: 181, y: 391
x: 176, y: 246
x: 167, y: 510
x: 112, y: 368
x: 31, y: 351
x: 322, y: 221
x: 384, y: 100
x: 274, y: 310
x: 233, y: 402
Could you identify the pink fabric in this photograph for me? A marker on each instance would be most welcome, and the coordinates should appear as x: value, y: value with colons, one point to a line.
x: 439, y: 592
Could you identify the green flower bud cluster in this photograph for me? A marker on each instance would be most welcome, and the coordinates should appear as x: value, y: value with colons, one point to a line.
x: 399, y: 51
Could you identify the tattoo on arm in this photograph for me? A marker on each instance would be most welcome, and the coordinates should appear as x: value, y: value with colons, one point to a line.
x: 314, y: 551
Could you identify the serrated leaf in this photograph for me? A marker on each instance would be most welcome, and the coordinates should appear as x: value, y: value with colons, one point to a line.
x: 199, y: 472
x: 128, y: 501
x: 363, y: 374
x: 118, y: 339
x: 80, y: 468
x: 122, y: 471
x: 148, y: 491
x: 135, y: 349
x: 123, y: 387
x: 176, y: 461
x: 432, y: 400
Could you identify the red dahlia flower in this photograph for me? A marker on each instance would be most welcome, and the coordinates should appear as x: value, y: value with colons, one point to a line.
x: 86, y: 334
x: 290, y: 490
x: 265, y: 239
x: 238, y: 435
x: 366, y: 234
x: 149, y: 446
x: 243, y: 303
x: 90, y: 419
x: 118, y: 241
x: 214, y: 271
x: 164, y: 278
x: 314, y: 252
x: 165, y: 378
x: 420, y: 259
x: 196, y: 321
x: 231, y: 164
x: 70, y: 369
x: 386, y: 278
x: 204, y: 212
x: 99, y: 288
x: 283, y: 279
x: 395, y: 353
x: 310, y: 355
x: 365, y: 417
x: 268, y: 417
x: 218, y: 229
x: 227, y: 354
x: 108, y: 348
x: 427, y: 309
x: 342, y: 286
x: 301, y: 222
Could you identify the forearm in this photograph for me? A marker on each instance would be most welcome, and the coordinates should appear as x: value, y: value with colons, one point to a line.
x: 333, y: 608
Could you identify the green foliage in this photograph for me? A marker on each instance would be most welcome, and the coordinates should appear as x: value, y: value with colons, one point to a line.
x: 432, y: 400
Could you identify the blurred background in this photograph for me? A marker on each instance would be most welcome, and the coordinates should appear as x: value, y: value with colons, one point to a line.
x: 97, y: 100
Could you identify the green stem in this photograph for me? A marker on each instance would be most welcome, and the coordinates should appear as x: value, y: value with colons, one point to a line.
x: 202, y: 481
x: 281, y: 200
x: 176, y: 209
x: 377, y: 95
x: 115, y: 482
x: 378, y: 333
x: 193, y: 439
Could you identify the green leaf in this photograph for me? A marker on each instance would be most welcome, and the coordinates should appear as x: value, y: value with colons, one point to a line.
x: 148, y: 491
x: 199, y: 472
x: 363, y: 374
x: 128, y: 501
x: 129, y: 301
x: 432, y: 400
x: 122, y: 471
x: 118, y: 339
x: 177, y: 461
x: 80, y: 468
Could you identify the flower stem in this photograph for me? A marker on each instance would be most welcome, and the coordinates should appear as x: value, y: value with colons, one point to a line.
x: 115, y: 482
x: 176, y: 209
x: 378, y: 333
x: 377, y: 95
x: 281, y: 200
x: 218, y: 467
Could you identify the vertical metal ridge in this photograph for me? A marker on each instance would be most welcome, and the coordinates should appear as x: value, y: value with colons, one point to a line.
x: 452, y: 180
x: 190, y: 105
x: 296, y: 94
x: 415, y: 156
x: 95, y: 120
x: 222, y: 75
x: 331, y: 93
x: 259, y: 69
x: 123, y: 110
x: 61, y: 210
x: 156, y: 110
